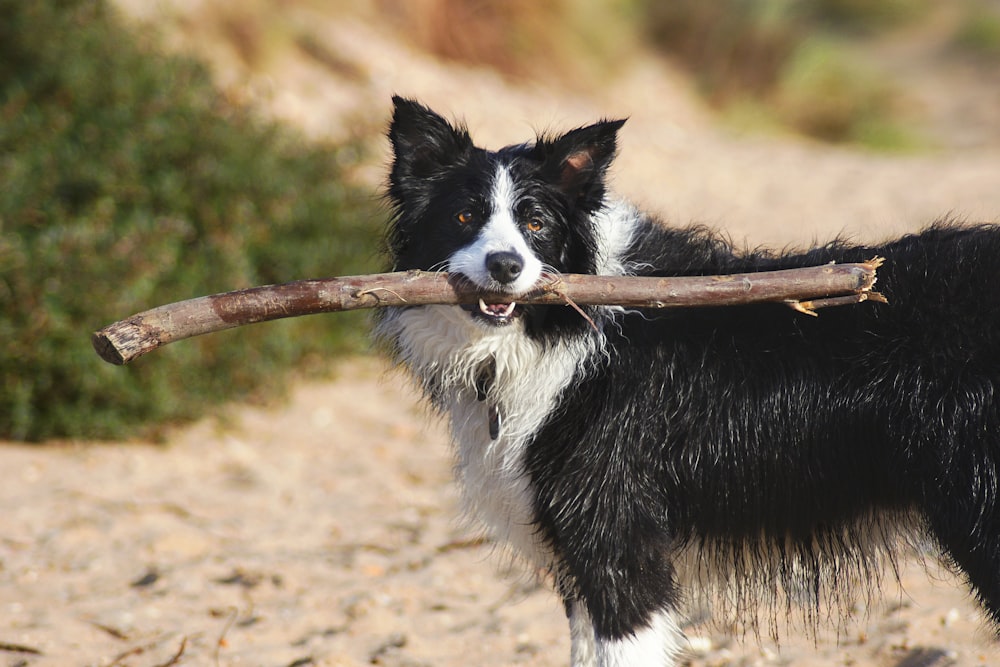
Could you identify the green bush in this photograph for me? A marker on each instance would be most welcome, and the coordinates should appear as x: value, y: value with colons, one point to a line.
x: 827, y: 93
x: 791, y: 64
x: 866, y: 16
x: 979, y: 32
x: 734, y: 48
x: 127, y: 181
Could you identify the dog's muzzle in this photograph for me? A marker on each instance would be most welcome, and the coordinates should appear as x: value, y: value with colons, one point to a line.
x: 504, y: 268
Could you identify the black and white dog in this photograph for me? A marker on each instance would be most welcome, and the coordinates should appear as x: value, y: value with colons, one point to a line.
x: 753, y: 453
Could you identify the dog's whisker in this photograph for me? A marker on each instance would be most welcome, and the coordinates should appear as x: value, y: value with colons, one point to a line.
x: 550, y: 276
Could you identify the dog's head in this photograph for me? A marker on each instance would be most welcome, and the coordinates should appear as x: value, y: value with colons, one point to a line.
x: 499, y: 218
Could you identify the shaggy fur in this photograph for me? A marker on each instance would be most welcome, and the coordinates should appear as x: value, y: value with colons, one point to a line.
x: 751, y: 451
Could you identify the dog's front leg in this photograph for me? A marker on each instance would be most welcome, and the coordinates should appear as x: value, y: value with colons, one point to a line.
x: 655, y: 645
x: 583, y: 649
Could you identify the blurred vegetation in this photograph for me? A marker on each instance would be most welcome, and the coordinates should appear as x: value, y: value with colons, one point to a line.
x: 128, y: 181
x: 830, y: 94
x: 979, y: 32
x: 797, y: 63
x: 863, y: 15
x: 574, y: 40
x: 800, y: 65
x: 807, y: 64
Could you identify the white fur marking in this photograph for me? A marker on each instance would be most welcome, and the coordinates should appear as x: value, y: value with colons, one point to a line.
x: 500, y: 234
x: 653, y: 646
x: 614, y: 228
x: 446, y: 349
x: 445, y: 345
x: 583, y: 650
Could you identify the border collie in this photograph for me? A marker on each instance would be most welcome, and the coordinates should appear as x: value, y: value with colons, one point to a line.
x: 646, y: 458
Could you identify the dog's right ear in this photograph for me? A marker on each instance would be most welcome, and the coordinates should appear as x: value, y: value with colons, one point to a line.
x: 423, y: 142
x: 577, y: 161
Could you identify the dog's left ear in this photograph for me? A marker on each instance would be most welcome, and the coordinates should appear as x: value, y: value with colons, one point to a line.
x: 577, y: 161
x: 424, y: 143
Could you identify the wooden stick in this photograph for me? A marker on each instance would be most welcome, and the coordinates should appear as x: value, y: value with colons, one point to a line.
x: 127, y: 339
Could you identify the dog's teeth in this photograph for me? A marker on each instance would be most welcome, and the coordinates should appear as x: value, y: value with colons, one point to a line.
x: 497, y: 311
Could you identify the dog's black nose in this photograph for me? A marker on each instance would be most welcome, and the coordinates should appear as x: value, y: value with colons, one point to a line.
x: 504, y: 267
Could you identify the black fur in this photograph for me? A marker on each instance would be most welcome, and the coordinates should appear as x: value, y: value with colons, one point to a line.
x: 760, y: 428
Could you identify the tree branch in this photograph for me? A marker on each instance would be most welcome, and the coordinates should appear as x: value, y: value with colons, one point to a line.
x: 804, y: 289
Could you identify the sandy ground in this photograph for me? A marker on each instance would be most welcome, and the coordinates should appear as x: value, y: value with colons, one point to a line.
x: 325, y: 532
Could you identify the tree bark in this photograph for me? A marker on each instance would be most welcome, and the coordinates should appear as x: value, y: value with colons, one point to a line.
x: 804, y: 289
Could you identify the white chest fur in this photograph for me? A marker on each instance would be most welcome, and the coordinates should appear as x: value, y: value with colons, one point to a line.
x: 442, y: 345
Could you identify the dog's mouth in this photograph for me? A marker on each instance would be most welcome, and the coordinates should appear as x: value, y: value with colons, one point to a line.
x: 496, y: 314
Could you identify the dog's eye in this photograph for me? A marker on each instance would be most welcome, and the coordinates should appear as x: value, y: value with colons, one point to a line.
x: 465, y: 217
x: 534, y: 225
